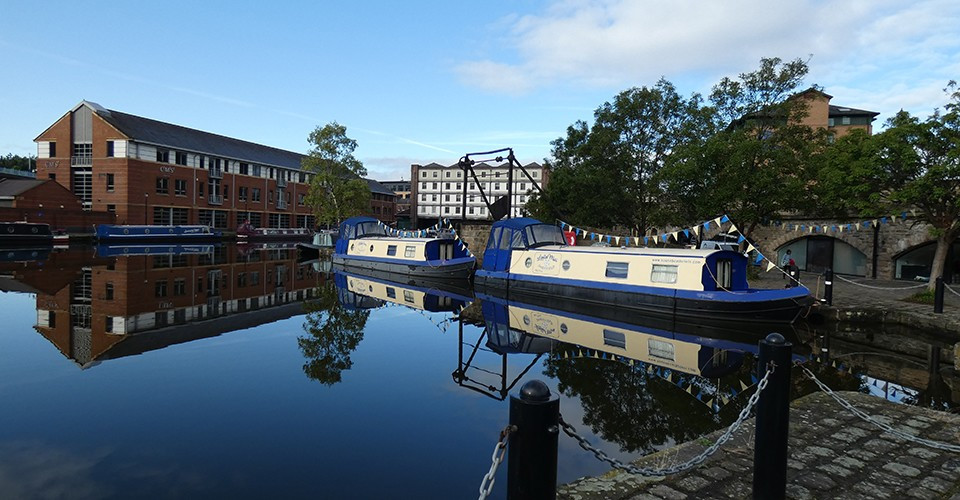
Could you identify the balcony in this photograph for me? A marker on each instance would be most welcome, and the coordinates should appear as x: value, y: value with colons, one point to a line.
x: 281, y: 204
x: 282, y: 181
x: 216, y: 172
x: 216, y: 199
x: 81, y: 161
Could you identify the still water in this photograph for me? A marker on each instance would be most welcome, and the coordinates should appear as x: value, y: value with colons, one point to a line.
x: 226, y: 372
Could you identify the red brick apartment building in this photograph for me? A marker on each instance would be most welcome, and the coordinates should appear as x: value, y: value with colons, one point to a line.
x: 150, y: 172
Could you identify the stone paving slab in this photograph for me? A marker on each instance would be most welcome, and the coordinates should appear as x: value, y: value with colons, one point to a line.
x: 832, y: 454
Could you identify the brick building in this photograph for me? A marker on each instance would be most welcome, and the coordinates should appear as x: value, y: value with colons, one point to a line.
x: 150, y: 172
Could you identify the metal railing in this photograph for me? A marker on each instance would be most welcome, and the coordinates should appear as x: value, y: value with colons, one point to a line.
x: 281, y: 204
x: 282, y: 181
x: 216, y: 172
x: 82, y: 160
x: 216, y: 199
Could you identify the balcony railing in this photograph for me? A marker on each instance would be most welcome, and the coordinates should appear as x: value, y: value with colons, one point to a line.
x: 281, y: 204
x: 216, y: 199
x: 82, y: 160
x: 216, y: 172
x: 282, y: 181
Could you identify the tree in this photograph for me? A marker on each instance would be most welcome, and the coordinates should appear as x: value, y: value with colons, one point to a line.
x: 605, y: 175
x: 333, y: 332
x: 17, y: 162
x: 337, y: 187
x: 760, y: 160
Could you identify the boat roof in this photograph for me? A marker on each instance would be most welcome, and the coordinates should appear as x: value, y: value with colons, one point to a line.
x: 653, y: 252
x: 352, y: 221
x: 517, y: 222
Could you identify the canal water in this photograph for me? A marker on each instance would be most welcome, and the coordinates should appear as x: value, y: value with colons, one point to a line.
x: 238, y: 372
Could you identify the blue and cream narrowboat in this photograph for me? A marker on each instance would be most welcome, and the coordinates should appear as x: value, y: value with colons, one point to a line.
x: 114, y: 233
x: 528, y: 257
x: 364, y: 244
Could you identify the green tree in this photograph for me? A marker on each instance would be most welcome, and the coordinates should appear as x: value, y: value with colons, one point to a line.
x: 761, y: 158
x: 333, y: 332
x: 605, y: 175
x: 17, y: 162
x: 337, y: 187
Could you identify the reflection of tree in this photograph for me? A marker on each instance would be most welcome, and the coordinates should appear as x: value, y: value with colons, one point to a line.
x: 628, y: 406
x: 333, y: 332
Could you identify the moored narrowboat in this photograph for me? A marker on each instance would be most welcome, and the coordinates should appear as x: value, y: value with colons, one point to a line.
x: 527, y: 256
x: 110, y: 232
x: 248, y: 233
x: 365, y: 244
x: 14, y: 234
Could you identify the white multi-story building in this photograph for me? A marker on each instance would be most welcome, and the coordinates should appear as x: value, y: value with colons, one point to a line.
x: 437, y: 190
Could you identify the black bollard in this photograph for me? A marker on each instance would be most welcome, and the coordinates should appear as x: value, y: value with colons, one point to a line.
x: 773, y: 420
x: 828, y: 286
x: 532, y: 448
x: 794, y: 279
x: 938, y: 296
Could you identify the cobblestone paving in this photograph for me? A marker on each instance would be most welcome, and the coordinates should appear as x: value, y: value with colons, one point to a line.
x: 832, y: 454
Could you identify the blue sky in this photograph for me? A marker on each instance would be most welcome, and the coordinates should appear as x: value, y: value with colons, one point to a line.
x: 416, y: 81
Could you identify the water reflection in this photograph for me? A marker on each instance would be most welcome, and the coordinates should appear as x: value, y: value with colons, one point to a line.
x: 334, y: 329
x: 106, y: 302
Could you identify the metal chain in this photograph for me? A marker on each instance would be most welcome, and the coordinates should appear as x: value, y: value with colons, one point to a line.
x: 867, y: 418
x: 878, y: 287
x: 689, y: 464
x: 486, y: 486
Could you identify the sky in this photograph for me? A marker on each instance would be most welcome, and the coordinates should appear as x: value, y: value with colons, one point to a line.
x: 419, y: 81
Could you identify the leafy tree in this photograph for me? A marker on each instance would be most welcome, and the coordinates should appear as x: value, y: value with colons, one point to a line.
x: 759, y: 161
x: 605, y: 175
x: 17, y: 162
x: 333, y: 332
x: 337, y: 188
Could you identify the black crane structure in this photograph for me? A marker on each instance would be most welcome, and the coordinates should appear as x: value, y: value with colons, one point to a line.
x: 502, y: 206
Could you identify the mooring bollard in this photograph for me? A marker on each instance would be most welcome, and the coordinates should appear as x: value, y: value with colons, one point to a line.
x: 828, y: 286
x: 938, y: 296
x: 794, y: 273
x: 532, y: 448
x: 773, y: 420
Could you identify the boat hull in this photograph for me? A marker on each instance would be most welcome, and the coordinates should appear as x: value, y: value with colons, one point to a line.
x: 25, y: 234
x: 460, y: 268
x: 156, y: 233
x: 766, y: 306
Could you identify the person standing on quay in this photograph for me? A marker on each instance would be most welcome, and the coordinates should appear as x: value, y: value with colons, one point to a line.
x: 785, y: 262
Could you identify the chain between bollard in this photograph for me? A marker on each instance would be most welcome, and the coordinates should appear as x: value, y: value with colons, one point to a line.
x: 499, y: 450
x: 689, y: 464
x: 867, y: 418
x: 952, y: 290
x: 864, y: 285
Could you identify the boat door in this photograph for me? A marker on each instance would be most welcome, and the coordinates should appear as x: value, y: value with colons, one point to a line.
x: 496, y: 256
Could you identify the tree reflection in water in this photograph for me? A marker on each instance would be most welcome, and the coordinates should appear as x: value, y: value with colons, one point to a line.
x: 333, y: 332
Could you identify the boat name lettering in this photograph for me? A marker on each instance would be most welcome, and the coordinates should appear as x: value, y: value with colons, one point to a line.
x: 546, y: 262
x: 168, y: 170
x: 664, y: 260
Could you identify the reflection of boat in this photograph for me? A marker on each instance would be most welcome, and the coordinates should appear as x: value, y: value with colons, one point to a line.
x: 323, y: 241
x: 365, y: 245
x: 112, y: 232
x: 532, y: 258
x: 24, y: 254
x: 373, y: 289
x: 14, y: 234
x: 248, y: 233
x: 155, y: 249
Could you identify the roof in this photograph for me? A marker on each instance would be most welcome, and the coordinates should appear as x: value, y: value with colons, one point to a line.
x: 15, y: 187
x: 845, y: 111
x: 376, y: 187
x: 175, y: 136
x: 517, y: 222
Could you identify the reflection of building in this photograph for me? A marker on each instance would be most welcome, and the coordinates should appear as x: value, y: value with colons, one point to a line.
x: 437, y: 190
x: 129, y: 305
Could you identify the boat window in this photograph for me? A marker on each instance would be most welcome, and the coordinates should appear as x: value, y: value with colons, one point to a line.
x: 391, y: 292
x: 494, y: 236
x: 660, y: 349
x: 517, y: 240
x: 410, y: 251
x: 408, y: 296
x: 505, y: 239
x: 544, y: 234
x: 724, y: 273
x: 617, y: 269
x: 663, y: 274
x: 614, y: 339
x: 369, y: 229
x: 391, y: 250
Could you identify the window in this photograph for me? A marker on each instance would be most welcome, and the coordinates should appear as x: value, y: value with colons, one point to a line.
x: 724, y: 273
x: 179, y: 286
x: 410, y: 251
x: 434, y: 185
x: 256, y: 170
x: 180, y: 158
x: 163, y: 156
x: 163, y: 185
x: 433, y: 197
x: 831, y: 122
x: 256, y: 194
x: 53, y: 150
x: 242, y: 194
x: 226, y: 191
x: 391, y: 292
x: 109, y: 149
x: 200, y: 189
x: 108, y: 291
x: 614, y: 339
x: 108, y: 324
x: 448, y: 173
x: 663, y: 273
x: 111, y: 208
x: 160, y: 288
x: 447, y: 185
x: 845, y: 120
x: 301, y: 199
x: 446, y: 210
x: 110, y: 180
x: 270, y: 195
x: 408, y: 296
x: 618, y: 270
x: 391, y: 250
x: 660, y: 349
x: 241, y: 280
x: 180, y: 187
x: 446, y: 197
x: 244, y: 168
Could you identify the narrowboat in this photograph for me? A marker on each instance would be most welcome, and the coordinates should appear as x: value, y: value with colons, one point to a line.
x: 15, y: 234
x: 365, y: 245
x: 367, y: 290
x: 248, y: 233
x: 110, y: 232
x: 121, y: 250
x: 528, y: 257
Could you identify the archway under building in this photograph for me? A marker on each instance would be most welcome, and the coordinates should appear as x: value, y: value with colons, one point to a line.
x: 817, y: 253
x: 915, y: 263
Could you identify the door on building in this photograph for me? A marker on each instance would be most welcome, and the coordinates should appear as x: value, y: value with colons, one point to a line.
x: 819, y: 253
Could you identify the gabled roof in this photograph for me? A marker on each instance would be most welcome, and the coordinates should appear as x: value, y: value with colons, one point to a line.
x: 15, y: 187
x: 160, y: 133
x: 376, y: 187
x: 845, y: 111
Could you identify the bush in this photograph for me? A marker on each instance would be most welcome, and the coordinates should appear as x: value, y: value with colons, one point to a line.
x: 924, y: 297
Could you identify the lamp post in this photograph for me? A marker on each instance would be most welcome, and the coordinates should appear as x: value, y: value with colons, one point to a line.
x: 146, y: 198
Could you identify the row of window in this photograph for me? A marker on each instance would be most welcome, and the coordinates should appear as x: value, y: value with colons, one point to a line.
x: 424, y: 174
x: 243, y: 193
x: 470, y: 199
x: 472, y: 187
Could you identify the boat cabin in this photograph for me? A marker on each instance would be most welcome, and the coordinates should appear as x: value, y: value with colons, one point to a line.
x: 366, y: 237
